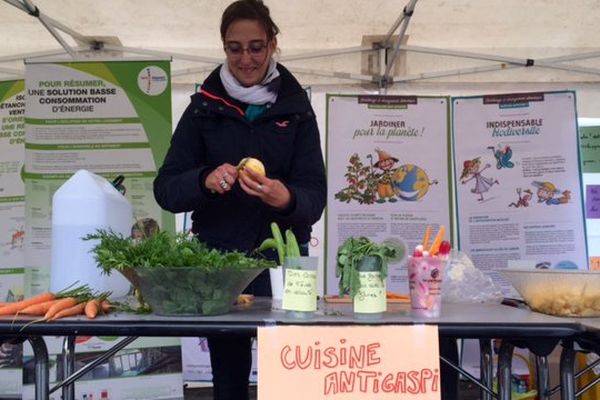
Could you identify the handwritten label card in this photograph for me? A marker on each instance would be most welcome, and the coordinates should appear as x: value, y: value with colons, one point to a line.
x: 589, y: 143
x: 300, y: 292
x: 592, y: 201
x: 371, y: 294
x: 348, y: 362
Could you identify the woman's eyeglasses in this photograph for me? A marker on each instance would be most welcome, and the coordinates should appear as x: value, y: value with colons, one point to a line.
x: 255, y: 48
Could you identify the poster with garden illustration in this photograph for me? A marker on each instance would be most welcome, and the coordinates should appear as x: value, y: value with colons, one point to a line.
x: 388, y: 167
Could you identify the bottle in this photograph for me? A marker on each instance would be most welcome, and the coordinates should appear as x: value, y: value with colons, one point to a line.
x: 83, y: 204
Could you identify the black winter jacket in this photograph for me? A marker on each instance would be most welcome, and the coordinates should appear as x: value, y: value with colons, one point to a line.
x: 213, y: 131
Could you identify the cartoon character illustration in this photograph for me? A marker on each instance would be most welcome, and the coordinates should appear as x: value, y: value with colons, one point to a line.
x: 471, y: 170
x: 523, y: 200
x: 411, y: 182
x: 384, y: 179
x: 502, y: 154
x: 546, y: 192
x: 380, y: 182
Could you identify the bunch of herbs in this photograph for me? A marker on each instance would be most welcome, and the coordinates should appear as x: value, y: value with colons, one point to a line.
x: 177, y: 273
x: 355, y: 251
x: 164, y: 249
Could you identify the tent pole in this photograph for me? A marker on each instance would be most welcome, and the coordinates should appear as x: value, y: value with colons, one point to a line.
x: 453, y: 72
x: 464, y: 54
x: 182, y: 56
x: 550, y: 63
x: 408, y: 12
x: 326, y: 53
x: 58, y: 25
x: 11, y: 71
x: 57, y: 36
x: 191, y: 71
x: 23, y: 56
x: 388, y: 36
x: 331, y: 74
x: 570, y: 68
x: 18, y: 4
x: 382, y: 64
x: 47, y: 22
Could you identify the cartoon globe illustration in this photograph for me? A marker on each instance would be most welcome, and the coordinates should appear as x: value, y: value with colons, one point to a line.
x: 410, y: 182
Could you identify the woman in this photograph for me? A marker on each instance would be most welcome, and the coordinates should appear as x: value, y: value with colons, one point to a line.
x: 248, y: 107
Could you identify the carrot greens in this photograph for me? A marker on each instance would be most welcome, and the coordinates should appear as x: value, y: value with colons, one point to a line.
x: 176, y: 273
x: 164, y: 249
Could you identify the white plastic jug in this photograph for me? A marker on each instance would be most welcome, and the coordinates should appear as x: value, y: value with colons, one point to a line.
x: 84, y: 203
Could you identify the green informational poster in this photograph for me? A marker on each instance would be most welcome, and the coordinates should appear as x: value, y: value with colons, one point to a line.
x: 12, y: 137
x: 12, y: 221
x: 589, y: 144
x: 111, y: 118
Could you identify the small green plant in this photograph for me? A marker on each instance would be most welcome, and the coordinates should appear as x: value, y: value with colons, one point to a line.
x: 285, y: 248
x: 362, y: 183
x: 351, y: 253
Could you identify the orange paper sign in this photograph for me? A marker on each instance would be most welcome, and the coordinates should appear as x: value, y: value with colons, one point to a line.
x: 348, y: 362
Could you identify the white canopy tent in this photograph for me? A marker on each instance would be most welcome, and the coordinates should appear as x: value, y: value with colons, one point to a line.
x: 334, y: 42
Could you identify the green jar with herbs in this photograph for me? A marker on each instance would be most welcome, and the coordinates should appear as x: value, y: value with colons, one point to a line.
x: 362, y: 266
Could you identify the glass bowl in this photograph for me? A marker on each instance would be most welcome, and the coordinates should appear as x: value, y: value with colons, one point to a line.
x: 565, y: 293
x: 190, y: 291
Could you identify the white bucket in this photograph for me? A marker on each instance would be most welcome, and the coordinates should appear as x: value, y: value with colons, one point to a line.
x: 84, y: 203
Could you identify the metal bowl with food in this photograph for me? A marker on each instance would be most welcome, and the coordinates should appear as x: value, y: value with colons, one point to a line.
x: 565, y: 293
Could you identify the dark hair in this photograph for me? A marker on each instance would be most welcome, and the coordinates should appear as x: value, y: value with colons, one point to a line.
x: 253, y: 10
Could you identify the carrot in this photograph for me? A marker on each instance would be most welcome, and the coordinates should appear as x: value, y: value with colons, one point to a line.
x: 435, y: 246
x: 106, y: 306
x: 91, y: 308
x: 38, y: 309
x: 392, y: 295
x: 426, y: 237
x: 60, y: 305
x: 13, y: 308
x: 77, y: 309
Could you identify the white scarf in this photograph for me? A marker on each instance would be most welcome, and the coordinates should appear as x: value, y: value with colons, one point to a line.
x: 262, y: 93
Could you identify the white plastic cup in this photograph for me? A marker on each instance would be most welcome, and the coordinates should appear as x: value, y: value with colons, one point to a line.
x: 305, y: 297
x: 425, y: 282
x: 276, y: 276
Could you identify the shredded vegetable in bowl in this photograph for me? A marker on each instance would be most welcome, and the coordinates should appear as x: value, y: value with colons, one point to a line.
x: 565, y: 293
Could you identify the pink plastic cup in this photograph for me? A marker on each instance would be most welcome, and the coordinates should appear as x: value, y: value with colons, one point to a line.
x: 425, y: 282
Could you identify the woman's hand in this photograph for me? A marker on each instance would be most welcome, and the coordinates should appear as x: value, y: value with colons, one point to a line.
x: 221, y: 179
x: 270, y: 191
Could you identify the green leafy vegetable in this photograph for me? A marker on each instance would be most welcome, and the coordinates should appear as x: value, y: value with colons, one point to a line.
x: 164, y: 249
x: 176, y: 273
x: 287, y: 247
x: 357, y: 254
